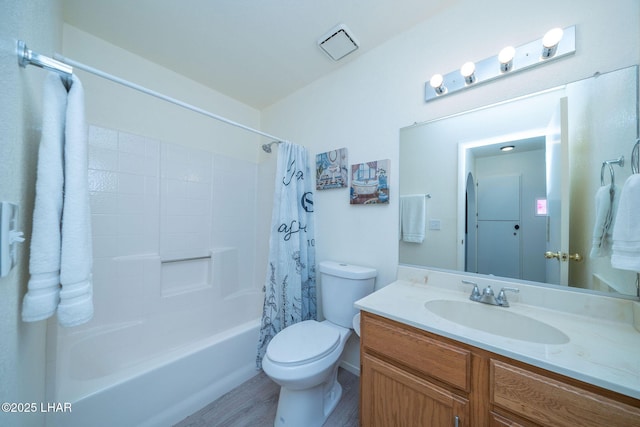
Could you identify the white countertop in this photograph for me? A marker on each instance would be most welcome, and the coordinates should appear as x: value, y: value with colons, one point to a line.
x: 603, y: 347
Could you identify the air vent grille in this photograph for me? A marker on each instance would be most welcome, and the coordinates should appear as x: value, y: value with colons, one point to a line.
x: 338, y: 42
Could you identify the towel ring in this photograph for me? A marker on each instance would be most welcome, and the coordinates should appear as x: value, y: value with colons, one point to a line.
x: 613, y: 176
x: 619, y: 161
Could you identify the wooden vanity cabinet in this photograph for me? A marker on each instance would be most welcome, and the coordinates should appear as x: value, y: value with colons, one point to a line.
x: 410, y: 377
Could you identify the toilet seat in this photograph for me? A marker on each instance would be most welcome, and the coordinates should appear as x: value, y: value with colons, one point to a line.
x: 303, y: 343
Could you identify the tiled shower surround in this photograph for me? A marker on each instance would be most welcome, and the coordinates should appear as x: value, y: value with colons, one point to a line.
x: 174, y: 241
x: 154, y: 204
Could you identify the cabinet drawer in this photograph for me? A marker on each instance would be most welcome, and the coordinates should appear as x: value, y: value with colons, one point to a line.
x: 497, y: 420
x: 554, y: 403
x: 417, y: 351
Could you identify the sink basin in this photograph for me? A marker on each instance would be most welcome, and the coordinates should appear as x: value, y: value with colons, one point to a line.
x: 497, y: 321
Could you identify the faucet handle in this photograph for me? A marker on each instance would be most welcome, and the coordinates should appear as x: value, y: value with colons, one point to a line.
x: 475, y: 293
x: 502, y: 297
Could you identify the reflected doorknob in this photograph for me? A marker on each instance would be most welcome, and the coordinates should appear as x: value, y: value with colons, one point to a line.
x: 576, y: 257
x: 563, y: 256
x: 551, y: 255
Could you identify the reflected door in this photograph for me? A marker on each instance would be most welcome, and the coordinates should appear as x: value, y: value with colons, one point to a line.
x: 498, y: 239
x: 470, y: 227
x: 557, y: 164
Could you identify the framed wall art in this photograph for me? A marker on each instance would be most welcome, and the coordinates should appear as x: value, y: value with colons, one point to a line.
x: 331, y: 169
x: 370, y: 183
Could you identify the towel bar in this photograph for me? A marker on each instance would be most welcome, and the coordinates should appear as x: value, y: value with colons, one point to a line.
x: 195, y: 258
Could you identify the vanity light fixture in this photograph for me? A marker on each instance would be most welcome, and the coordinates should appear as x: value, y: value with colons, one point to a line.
x: 468, y: 70
x: 506, y: 58
x: 556, y: 43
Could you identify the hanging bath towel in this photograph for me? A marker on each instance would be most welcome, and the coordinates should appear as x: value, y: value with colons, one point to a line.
x: 290, y: 285
x: 76, y: 259
x: 413, y: 217
x: 626, y: 233
x: 41, y: 300
x: 61, y: 256
x: 607, y: 198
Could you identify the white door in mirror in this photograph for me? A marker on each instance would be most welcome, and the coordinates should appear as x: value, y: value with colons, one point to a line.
x: 9, y: 236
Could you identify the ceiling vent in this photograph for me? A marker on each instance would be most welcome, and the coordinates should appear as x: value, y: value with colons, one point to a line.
x: 338, y: 42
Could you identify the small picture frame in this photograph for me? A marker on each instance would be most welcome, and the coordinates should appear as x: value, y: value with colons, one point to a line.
x: 370, y: 183
x: 331, y: 169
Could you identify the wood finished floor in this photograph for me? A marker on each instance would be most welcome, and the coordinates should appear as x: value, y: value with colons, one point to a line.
x: 253, y: 404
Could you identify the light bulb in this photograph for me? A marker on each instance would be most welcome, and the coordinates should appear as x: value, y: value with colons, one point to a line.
x: 436, y: 83
x: 467, y: 70
x: 552, y: 37
x: 550, y: 42
x: 505, y: 57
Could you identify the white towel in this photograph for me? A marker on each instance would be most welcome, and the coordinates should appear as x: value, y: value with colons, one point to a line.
x: 61, y: 252
x: 412, y: 218
x: 41, y: 299
x: 626, y: 233
x: 76, y: 260
x: 607, y: 199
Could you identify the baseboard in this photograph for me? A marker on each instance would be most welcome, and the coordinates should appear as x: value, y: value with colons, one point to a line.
x: 355, y: 370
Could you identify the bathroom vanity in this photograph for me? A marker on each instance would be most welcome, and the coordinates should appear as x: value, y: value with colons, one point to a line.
x: 429, y: 356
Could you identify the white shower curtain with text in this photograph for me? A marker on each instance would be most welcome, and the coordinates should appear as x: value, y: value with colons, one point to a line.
x: 290, y: 285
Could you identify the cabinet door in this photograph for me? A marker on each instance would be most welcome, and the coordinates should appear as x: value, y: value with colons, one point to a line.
x: 392, y: 397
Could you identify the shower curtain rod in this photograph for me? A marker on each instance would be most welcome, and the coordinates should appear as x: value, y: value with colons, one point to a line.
x: 64, y: 66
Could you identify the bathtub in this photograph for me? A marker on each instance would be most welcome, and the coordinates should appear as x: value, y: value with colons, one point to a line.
x: 126, y: 390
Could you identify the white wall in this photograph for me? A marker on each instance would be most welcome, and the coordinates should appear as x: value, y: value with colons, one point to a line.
x: 22, y: 345
x: 363, y: 105
x: 117, y: 107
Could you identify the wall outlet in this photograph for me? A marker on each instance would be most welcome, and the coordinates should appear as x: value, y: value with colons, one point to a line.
x: 434, y: 224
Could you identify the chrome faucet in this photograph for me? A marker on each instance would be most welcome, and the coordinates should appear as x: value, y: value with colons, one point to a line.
x: 488, y: 296
x: 502, y: 297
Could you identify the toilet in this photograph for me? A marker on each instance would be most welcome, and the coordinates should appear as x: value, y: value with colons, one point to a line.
x: 303, y: 358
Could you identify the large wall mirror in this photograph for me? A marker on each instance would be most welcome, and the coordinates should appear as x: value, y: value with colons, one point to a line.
x: 528, y: 213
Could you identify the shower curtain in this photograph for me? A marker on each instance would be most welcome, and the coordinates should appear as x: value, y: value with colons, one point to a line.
x: 290, y: 285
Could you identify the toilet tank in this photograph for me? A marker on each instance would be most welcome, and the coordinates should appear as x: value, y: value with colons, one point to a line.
x: 341, y: 285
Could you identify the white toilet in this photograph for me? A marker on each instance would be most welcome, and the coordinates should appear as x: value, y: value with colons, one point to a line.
x: 303, y: 358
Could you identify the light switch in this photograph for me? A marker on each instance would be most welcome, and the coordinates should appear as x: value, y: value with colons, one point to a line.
x: 434, y: 224
x: 9, y: 236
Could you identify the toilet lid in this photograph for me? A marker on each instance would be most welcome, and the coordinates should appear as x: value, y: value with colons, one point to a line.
x: 303, y: 342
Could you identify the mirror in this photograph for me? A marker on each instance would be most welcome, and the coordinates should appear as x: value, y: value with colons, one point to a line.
x: 498, y: 212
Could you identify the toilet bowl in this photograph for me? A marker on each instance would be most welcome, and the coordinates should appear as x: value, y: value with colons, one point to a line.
x: 303, y: 358
x: 306, y: 370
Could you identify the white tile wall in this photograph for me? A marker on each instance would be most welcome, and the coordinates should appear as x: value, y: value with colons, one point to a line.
x: 153, y: 200
x: 185, y: 193
x: 234, y: 217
